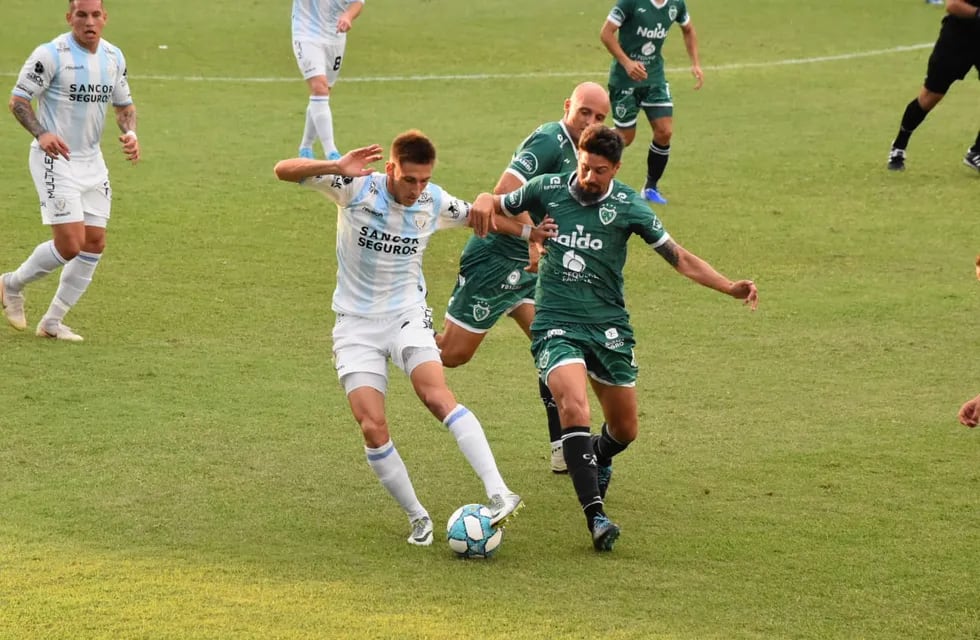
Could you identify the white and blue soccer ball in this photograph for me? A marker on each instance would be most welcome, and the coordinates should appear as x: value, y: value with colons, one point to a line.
x: 470, y: 533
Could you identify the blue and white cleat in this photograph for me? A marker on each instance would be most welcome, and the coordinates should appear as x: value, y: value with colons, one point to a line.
x: 503, y: 507
x: 306, y: 152
x: 604, y: 533
x: 651, y: 194
x: 334, y: 155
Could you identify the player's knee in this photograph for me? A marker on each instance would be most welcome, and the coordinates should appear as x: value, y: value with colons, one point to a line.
x: 438, y: 400
x: 319, y: 86
x: 663, y: 134
x: 452, y: 357
x: 375, y: 431
x: 67, y: 248
x: 628, y: 135
x: 95, y: 245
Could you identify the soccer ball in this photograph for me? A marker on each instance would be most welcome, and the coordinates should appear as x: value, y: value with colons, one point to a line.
x: 470, y: 533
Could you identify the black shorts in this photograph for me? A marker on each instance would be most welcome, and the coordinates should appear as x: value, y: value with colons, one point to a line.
x: 957, y: 51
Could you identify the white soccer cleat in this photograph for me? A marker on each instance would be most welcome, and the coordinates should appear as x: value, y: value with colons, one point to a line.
x: 503, y: 507
x: 421, y: 535
x: 558, y: 458
x: 57, y: 332
x: 13, y: 307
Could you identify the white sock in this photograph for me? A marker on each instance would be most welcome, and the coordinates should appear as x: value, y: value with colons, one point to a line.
x: 75, y: 279
x: 44, y: 259
x: 473, y: 443
x: 319, y: 110
x: 393, y: 474
x: 309, y: 131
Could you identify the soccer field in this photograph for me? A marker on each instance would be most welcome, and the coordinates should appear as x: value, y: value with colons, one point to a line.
x: 192, y: 471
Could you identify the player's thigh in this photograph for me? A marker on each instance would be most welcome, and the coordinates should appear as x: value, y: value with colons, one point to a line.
x: 412, y: 340
x: 361, y: 346
x: 560, y: 356
x: 625, y: 106
x: 523, y: 315
x: 951, y: 59
x: 657, y: 103
x: 316, y: 59
x: 58, y: 191
x: 458, y: 344
x: 619, y: 408
x: 96, y: 191
x: 488, y: 289
x: 611, y: 360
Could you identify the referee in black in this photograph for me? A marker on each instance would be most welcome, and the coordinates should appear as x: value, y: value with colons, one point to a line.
x: 957, y: 50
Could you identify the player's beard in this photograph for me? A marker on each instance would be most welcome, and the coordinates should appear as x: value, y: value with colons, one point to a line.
x: 584, y: 197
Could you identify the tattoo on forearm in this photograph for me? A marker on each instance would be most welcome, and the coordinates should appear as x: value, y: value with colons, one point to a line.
x: 126, y: 119
x: 668, y: 251
x: 25, y: 116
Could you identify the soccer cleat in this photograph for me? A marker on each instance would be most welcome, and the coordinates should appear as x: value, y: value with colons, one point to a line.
x: 558, y: 458
x: 653, y: 195
x: 306, y: 152
x: 896, y: 159
x: 334, y: 155
x: 503, y: 507
x: 935, y: 1
x: 605, y: 475
x: 13, y: 307
x: 421, y: 535
x: 57, y: 332
x: 972, y: 159
x: 604, y: 533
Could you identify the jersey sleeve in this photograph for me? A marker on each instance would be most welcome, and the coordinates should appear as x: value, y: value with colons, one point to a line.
x: 621, y: 12
x: 646, y: 224
x: 36, y: 74
x: 452, y: 212
x: 540, y: 153
x: 340, y: 189
x: 683, y: 17
x: 121, y: 95
x: 524, y: 199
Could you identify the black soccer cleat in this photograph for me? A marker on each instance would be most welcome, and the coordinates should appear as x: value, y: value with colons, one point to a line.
x: 972, y: 159
x: 896, y: 159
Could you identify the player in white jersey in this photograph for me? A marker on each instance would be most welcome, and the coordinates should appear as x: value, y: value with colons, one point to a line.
x: 384, y: 223
x: 74, y: 78
x: 319, y: 29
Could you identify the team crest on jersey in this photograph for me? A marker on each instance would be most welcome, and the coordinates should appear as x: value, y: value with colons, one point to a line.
x: 607, y: 214
x: 481, y: 311
x: 420, y: 220
x: 672, y: 13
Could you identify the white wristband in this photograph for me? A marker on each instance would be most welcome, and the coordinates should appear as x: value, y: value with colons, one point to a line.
x: 131, y: 133
x: 526, y: 232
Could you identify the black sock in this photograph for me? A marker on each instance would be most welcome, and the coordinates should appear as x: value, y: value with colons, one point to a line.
x: 912, y: 118
x: 976, y: 145
x: 554, y: 424
x: 605, y: 447
x: 577, y: 445
x: 657, y: 157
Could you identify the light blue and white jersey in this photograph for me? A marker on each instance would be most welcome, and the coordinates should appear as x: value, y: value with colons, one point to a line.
x: 316, y: 20
x: 380, y: 242
x: 73, y: 88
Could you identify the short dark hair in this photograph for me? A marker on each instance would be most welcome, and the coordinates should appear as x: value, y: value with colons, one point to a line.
x: 413, y: 146
x: 602, y: 141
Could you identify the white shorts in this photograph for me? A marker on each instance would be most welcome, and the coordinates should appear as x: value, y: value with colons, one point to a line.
x: 319, y: 59
x: 75, y: 191
x: 364, y: 345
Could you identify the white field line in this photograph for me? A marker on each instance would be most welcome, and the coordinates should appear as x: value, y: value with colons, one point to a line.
x: 539, y: 74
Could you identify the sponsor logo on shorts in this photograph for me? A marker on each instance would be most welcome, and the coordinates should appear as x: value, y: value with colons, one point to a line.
x: 513, y: 277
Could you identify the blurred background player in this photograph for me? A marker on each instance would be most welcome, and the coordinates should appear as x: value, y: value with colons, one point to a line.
x: 74, y: 78
x: 957, y: 50
x: 634, y: 33
x: 496, y: 276
x: 581, y: 333
x: 384, y: 223
x: 319, y: 30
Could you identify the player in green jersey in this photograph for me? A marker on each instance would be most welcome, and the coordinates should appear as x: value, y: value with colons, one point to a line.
x: 581, y: 332
x: 495, y: 274
x: 636, y: 77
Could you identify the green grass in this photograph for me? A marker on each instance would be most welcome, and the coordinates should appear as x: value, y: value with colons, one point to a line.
x: 192, y: 471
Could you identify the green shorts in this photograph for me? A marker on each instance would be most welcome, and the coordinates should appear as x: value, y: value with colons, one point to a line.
x: 606, y: 350
x: 493, y: 287
x: 655, y: 101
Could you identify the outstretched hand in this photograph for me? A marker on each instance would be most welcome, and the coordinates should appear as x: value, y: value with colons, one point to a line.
x: 354, y: 162
x: 747, y: 291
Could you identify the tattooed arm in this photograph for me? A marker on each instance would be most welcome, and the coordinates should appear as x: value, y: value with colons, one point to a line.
x: 126, y: 119
x: 690, y: 265
x: 51, y: 143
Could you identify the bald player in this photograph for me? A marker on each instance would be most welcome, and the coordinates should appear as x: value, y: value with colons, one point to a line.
x: 498, y: 273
